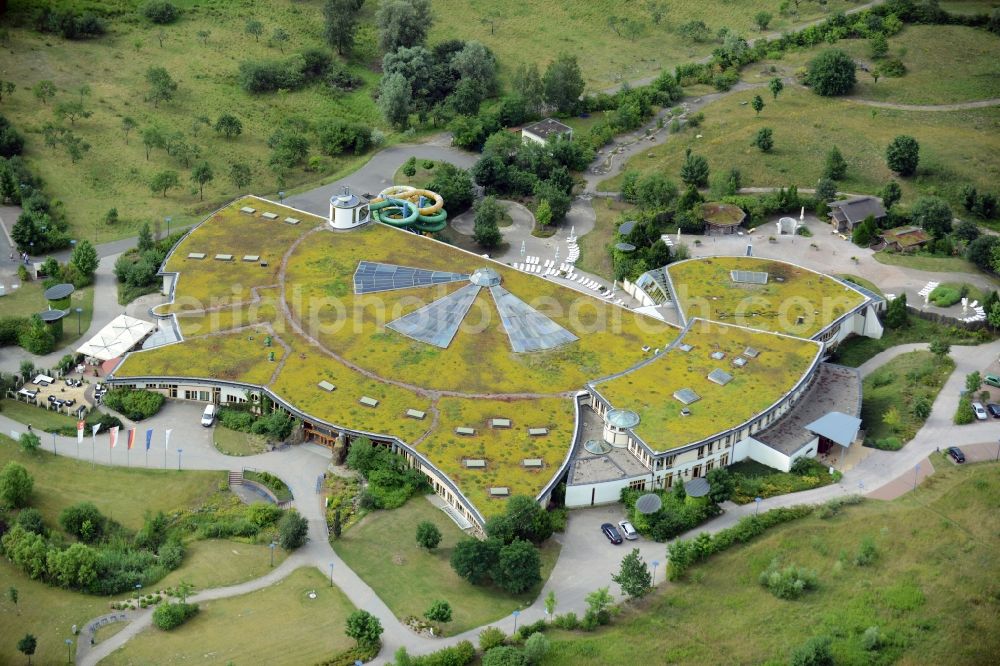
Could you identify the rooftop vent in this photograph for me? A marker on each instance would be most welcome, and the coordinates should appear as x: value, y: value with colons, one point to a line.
x: 687, y: 396
x: 750, y: 352
x: 720, y: 377
x: 685, y: 412
x: 718, y: 356
x: 684, y: 347
x: 748, y: 277
x: 739, y: 361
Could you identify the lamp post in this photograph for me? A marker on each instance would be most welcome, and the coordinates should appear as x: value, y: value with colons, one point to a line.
x: 758, y: 500
x: 54, y: 444
x: 331, y: 574
x: 998, y: 450
x: 69, y: 650
x: 516, y: 613
x: 271, y: 546
x: 656, y: 563
x: 79, y: 313
x: 179, y: 452
x: 168, y: 220
x: 281, y: 196
x: 916, y: 472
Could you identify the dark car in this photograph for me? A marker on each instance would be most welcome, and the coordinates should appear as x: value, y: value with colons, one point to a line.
x: 956, y: 454
x: 994, y: 410
x: 612, y: 533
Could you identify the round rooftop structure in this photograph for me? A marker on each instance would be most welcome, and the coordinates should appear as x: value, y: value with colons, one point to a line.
x: 485, y: 277
x: 49, y: 316
x: 344, y: 200
x: 649, y: 503
x: 348, y: 210
x: 597, y: 446
x: 622, y: 418
x: 625, y: 247
x: 698, y: 487
x: 59, y: 292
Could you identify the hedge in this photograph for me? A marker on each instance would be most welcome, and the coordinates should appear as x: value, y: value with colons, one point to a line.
x: 172, y: 615
x: 136, y: 404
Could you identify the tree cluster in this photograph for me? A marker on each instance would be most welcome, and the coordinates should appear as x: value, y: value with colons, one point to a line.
x: 67, y: 23
x: 391, y: 479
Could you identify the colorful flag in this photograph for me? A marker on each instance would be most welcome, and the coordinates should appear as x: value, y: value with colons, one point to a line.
x: 149, y: 438
x: 113, y: 436
x: 80, y: 425
x: 167, y: 442
x: 131, y: 438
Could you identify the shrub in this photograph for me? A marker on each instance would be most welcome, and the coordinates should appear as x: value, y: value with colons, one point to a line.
x: 136, y: 404
x: 264, y: 76
x: 567, y: 621
x: 491, y: 637
x: 944, y: 296
x: 964, y: 414
x: 787, y: 583
x: 172, y: 615
x: 160, y: 11
x: 505, y: 655
x: 30, y: 519
x: 867, y: 552
x: 293, y: 530
x: 235, y: 419
x: 815, y: 652
x: 428, y: 535
x: 83, y: 520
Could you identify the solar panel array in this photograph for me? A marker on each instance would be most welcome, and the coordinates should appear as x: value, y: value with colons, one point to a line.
x: 528, y: 329
x: 371, y: 277
x: 438, y: 322
x: 749, y: 277
x: 720, y: 377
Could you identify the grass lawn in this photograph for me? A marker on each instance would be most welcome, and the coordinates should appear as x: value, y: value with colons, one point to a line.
x: 382, y: 549
x: 279, y: 624
x: 235, y: 443
x: 530, y: 32
x: 39, y: 418
x: 756, y: 480
x: 120, y: 493
x: 945, y: 64
x: 212, y: 563
x: 108, y: 630
x: 856, y: 350
x: 922, y: 262
x: 420, y: 179
x: 116, y: 173
x: 901, y: 383
x: 969, y: 6
x: 46, y: 612
x: 595, y: 253
x: 862, y: 282
x: 956, y: 148
x: 29, y: 299
x: 931, y: 592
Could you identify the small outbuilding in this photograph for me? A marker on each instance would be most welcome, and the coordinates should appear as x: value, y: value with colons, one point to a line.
x: 721, y: 219
x: 904, y: 239
x: 544, y: 130
x: 849, y: 213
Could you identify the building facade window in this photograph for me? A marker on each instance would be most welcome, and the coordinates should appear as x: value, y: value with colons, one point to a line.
x: 637, y: 484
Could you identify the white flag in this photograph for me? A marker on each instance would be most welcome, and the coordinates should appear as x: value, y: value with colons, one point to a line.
x: 80, y: 425
x: 94, y: 428
x: 113, y: 434
x: 167, y: 443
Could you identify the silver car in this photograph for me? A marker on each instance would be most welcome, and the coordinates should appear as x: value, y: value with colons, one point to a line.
x: 627, y: 530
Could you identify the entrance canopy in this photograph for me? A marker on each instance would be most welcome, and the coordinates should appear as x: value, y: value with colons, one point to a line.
x: 838, y: 427
x: 119, y: 336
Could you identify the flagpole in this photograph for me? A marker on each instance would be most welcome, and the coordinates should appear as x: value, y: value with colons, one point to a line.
x: 93, y: 439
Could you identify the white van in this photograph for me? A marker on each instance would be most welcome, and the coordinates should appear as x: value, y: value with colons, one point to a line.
x: 208, y: 416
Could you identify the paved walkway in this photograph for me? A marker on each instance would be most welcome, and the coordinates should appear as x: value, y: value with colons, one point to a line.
x: 960, y: 106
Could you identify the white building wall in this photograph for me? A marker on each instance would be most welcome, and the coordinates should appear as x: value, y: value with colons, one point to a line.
x: 764, y: 454
x: 606, y: 492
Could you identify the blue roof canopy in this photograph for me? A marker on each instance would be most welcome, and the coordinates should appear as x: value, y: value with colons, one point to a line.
x: 836, y: 426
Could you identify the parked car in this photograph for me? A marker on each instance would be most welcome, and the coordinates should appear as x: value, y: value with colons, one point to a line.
x: 208, y: 416
x: 627, y: 530
x: 994, y: 410
x: 992, y: 380
x: 612, y: 534
x: 980, y: 411
x: 956, y: 454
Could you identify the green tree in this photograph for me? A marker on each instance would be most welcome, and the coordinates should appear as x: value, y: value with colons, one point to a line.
x: 940, y: 348
x: 44, y: 91
x: 896, y: 314
x: 550, y: 603
x: 410, y: 167
x: 543, y: 214
x: 762, y: 19
x: 655, y: 192
x: 474, y: 560
x: 229, y: 125
x: 83, y: 520
x: 13, y: 596
x: 364, y: 628
x: 280, y: 37
x: 428, y: 536
x: 892, y: 419
x: 694, y: 171
x: 933, y: 214
x: 993, y: 315
x: 29, y: 442
x: 15, y: 486
x: 973, y: 381
x: 27, y: 646
x: 255, y: 28
x: 865, y: 232
x: 439, y: 611
x: 890, y: 194
x: 527, y: 83
x: 836, y: 166
x: 153, y: 137
x: 815, y: 652
x: 764, y: 139
x: 757, y: 104
x: 518, y: 568
x: 338, y: 524
x: 878, y: 45
x: 240, y: 175
x: 403, y: 23
x: 903, y: 155
x: 85, y: 260
x: 633, y: 576
x: 145, y: 239
x: 35, y: 337
x: 599, y: 602
x: 202, y: 174
x: 72, y: 109
x: 203, y: 36
x: 293, y: 530
x: 504, y: 655
x: 721, y: 483
x: 536, y: 648
x: 826, y: 190
x: 775, y: 85
x: 128, y: 124
x: 563, y: 83
x: 395, y: 100
x: 163, y: 181
x: 161, y: 86
x: 831, y: 73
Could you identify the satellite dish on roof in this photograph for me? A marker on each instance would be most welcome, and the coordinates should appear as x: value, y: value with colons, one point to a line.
x: 649, y: 503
